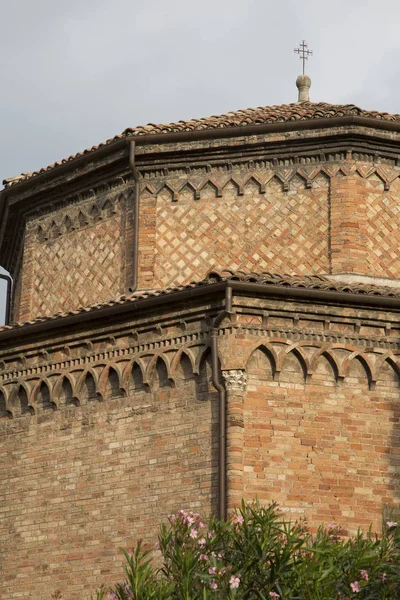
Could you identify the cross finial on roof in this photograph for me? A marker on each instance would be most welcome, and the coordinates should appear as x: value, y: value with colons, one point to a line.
x: 303, y: 81
x: 304, y: 53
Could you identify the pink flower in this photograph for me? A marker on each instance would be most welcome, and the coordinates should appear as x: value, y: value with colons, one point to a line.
x: 202, y: 542
x: 213, y: 585
x: 391, y: 523
x: 238, y: 519
x: 203, y: 557
x: 382, y: 576
x: 234, y: 582
x: 355, y: 587
x: 274, y: 595
x: 210, y: 535
x: 201, y: 525
x: 212, y: 570
x: 193, y: 533
x: 364, y: 574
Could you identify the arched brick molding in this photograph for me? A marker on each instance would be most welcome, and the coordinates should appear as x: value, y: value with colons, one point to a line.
x: 4, y: 412
x: 87, y: 387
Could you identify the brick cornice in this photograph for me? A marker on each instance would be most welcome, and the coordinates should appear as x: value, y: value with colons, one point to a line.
x: 60, y: 186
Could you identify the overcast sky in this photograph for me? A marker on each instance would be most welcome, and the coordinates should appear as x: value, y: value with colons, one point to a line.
x: 76, y: 73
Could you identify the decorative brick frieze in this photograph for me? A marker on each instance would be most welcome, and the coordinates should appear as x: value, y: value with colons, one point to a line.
x: 98, y: 355
x: 73, y: 218
x: 284, y: 213
x: 181, y: 184
x: 121, y: 419
x: 76, y: 256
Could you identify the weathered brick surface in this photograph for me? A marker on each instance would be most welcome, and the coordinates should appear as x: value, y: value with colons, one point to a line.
x: 106, y: 428
x: 383, y: 235
x: 81, y: 482
x: 274, y: 230
x: 77, y: 256
x: 326, y: 451
x: 348, y: 229
x: 103, y: 439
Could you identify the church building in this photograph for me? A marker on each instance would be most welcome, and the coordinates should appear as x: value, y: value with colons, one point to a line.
x: 201, y: 312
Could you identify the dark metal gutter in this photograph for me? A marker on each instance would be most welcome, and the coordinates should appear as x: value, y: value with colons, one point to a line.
x: 135, y: 261
x: 216, y: 380
x: 262, y: 289
x: 318, y: 295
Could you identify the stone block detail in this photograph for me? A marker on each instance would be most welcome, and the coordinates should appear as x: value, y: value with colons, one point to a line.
x: 235, y: 380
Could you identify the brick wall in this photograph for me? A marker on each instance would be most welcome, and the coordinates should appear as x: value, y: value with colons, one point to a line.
x: 81, y: 482
x: 333, y: 217
x: 102, y: 437
x: 76, y: 256
x: 253, y: 229
x: 382, y: 231
x: 323, y: 446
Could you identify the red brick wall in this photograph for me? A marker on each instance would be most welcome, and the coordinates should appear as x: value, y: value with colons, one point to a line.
x: 74, y: 257
x: 326, y: 448
x: 81, y: 482
x: 383, y: 233
x: 348, y: 224
x: 331, y: 218
x: 256, y: 228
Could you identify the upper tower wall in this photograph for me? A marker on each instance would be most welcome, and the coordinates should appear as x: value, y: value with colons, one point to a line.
x: 301, y: 189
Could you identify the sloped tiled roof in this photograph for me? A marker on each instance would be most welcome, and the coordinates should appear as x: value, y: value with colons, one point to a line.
x: 311, y: 282
x: 298, y: 111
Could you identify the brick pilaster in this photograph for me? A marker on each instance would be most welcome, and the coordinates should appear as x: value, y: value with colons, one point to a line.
x: 147, y: 241
x: 348, y: 225
x: 235, y: 384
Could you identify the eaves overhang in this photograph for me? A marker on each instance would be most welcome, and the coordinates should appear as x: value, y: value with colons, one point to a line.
x: 91, y: 317
x: 23, y: 196
x: 197, y: 135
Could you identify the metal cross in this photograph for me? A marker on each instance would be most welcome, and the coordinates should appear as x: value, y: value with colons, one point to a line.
x: 303, y: 52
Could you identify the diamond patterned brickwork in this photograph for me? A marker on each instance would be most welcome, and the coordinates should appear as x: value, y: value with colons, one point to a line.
x: 279, y: 231
x: 77, y: 269
x: 383, y: 228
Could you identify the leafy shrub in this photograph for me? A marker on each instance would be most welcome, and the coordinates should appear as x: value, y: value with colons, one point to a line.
x: 259, y: 555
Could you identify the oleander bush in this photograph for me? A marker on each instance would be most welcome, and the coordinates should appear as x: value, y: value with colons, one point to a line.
x: 258, y: 554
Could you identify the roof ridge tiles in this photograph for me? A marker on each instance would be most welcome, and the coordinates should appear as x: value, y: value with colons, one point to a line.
x: 312, y: 282
x: 277, y: 113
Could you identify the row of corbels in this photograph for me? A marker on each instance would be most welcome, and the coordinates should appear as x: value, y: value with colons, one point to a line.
x: 282, y: 176
x: 59, y: 226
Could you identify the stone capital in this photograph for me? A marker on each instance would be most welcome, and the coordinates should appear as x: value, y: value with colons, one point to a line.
x: 235, y: 380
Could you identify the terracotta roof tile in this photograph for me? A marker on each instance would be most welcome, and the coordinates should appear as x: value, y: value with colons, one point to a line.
x: 251, y: 116
x: 312, y: 282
